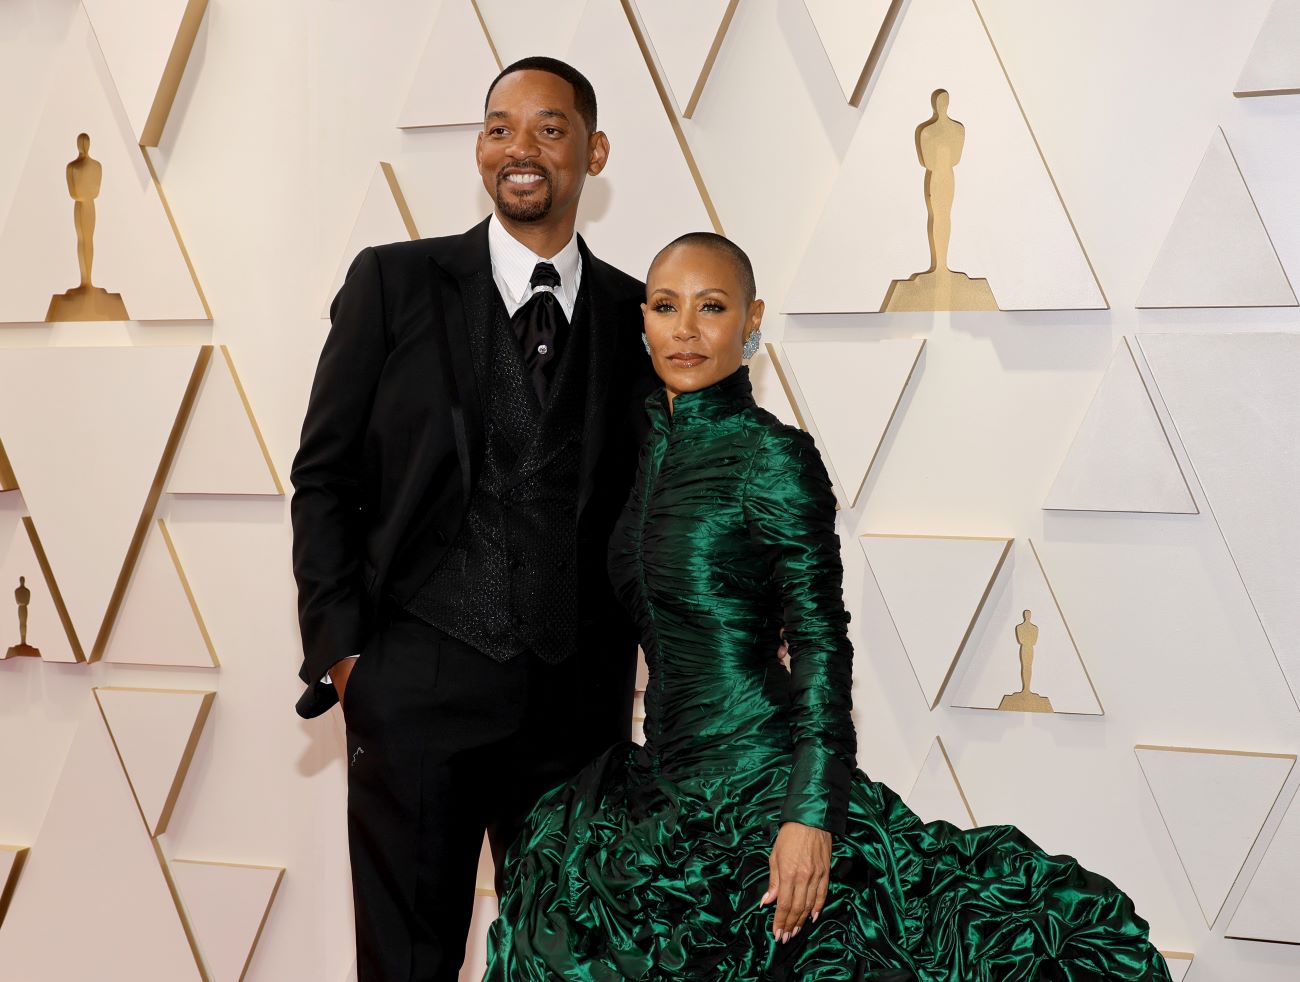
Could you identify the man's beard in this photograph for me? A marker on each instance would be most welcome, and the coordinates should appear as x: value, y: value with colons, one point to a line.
x: 532, y: 209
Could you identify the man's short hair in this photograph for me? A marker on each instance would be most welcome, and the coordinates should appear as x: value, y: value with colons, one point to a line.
x: 719, y: 243
x: 584, y: 96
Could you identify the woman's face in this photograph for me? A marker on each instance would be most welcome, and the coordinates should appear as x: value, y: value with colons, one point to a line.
x: 696, y: 318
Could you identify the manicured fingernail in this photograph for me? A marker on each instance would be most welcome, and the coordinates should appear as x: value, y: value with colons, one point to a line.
x: 815, y: 913
x: 795, y: 934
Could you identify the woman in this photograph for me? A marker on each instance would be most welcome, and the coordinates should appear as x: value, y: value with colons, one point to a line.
x: 665, y: 861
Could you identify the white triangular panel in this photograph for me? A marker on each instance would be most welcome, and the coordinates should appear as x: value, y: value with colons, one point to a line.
x: 849, y: 31
x: 1009, y: 225
x: 384, y: 217
x: 46, y: 630
x: 1213, y: 803
x: 94, y: 863
x: 1268, y: 911
x: 851, y: 390
x: 146, y: 44
x: 1179, y: 964
x: 222, y: 451
x: 937, y: 794
x: 992, y: 660
x: 1232, y: 399
x: 155, y: 732
x: 616, y: 213
x: 686, y: 35
x: 934, y: 587
x: 1217, y: 253
x: 518, y: 37
x: 136, y: 252
x: 1121, y: 459
x: 12, y: 859
x: 226, y: 905
x: 1274, y: 63
x: 160, y: 623
x: 454, y: 73
x: 108, y: 412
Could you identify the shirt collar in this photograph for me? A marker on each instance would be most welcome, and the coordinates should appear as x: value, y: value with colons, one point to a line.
x: 513, y: 263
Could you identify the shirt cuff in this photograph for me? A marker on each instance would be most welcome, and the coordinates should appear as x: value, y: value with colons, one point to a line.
x: 326, y: 677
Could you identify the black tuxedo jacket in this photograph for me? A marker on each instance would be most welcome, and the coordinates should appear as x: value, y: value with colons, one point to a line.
x: 392, y: 441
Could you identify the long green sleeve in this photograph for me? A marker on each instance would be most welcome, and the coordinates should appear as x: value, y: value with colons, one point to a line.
x: 790, y: 510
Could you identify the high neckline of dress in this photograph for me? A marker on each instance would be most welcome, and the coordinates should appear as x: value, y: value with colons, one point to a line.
x: 722, y: 399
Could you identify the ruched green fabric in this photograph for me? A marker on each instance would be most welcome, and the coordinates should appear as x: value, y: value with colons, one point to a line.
x: 651, y: 862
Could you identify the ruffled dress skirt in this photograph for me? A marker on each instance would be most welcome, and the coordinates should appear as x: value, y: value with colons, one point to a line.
x: 628, y: 873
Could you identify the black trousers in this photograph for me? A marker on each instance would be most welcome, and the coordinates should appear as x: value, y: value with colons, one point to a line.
x: 445, y: 743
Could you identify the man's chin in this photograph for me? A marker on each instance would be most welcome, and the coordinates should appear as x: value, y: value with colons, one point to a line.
x: 523, y: 216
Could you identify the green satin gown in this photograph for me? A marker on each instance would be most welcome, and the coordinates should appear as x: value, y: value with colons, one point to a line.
x: 650, y: 863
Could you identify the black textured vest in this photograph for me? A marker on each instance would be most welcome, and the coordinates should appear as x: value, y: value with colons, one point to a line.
x: 508, y: 582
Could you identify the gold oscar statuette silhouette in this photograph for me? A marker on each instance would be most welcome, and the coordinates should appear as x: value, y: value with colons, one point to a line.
x: 85, y: 302
x: 939, y: 142
x: 23, y: 597
x: 1026, y: 700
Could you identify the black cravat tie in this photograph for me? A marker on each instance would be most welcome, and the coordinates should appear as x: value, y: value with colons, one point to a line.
x: 540, y: 327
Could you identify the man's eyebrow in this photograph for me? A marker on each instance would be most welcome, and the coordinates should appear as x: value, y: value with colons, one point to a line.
x: 556, y: 113
x: 497, y: 114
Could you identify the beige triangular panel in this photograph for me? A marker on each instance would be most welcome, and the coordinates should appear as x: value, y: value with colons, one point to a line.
x: 771, y: 389
x: 136, y: 251
x: 1121, y: 459
x: 455, y: 70
x: 1268, y: 910
x: 852, y: 33
x: 160, y: 622
x: 474, y: 967
x: 1008, y: 224
x: 384, y: 217
x: 227, y: 905
x: 1214, y: 803
x: 1232, y: 399
x: 1179, y: 964
x: 850, y: 391
x: 12, y: 859
x: 29, y: 593
x: 1023, y: 613
x: 114, y: 415
x: 94, y: 863
x: 1217, y: 253
x: 937, y: 793
x: 934, y: 587
x: 147, y: 44
x: 222, y: 451
x: 155, y: 732
x: 1273, y: 67
x: 516, y: 37
x: 686, y: 36
x: 630, y: 224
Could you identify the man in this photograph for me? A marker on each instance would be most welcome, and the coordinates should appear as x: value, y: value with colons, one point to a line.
x: 471, y: 436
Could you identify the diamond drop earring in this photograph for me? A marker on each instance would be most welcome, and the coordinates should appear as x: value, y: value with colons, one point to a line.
x: 645, y: 339
x: 751, y: 344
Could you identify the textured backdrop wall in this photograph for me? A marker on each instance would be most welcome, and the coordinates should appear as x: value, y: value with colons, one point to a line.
x: 1056, y: 396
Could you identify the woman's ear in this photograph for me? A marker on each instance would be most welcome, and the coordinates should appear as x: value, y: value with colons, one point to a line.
x: 755, y: 319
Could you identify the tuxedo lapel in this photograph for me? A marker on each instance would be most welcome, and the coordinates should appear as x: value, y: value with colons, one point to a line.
x: 461, y: 283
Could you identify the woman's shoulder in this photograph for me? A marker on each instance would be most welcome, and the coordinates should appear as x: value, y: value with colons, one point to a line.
x: 779, y: 446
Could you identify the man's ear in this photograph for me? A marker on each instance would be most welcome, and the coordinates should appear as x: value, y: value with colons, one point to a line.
x: 478, y: 150
x: 597, y: 153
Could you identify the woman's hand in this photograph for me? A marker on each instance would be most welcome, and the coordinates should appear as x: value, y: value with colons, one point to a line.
x: 801, y: 871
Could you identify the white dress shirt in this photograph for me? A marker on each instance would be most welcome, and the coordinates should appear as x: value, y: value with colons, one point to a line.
x: 512, y: 268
